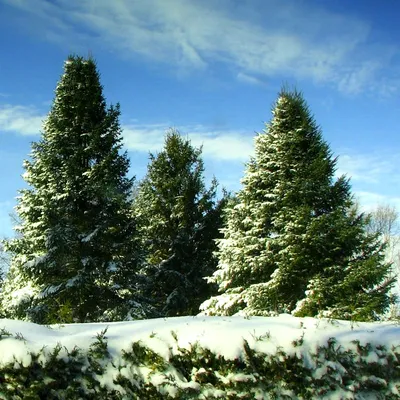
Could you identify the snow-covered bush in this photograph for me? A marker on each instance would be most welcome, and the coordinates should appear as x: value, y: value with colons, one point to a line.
x: 201, y: 358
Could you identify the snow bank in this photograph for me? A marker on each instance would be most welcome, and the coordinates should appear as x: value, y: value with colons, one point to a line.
x: 317, y: 346
x: 224, y: 335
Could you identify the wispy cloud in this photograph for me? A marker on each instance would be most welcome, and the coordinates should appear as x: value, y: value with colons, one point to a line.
x: 223, y: 145
x: 251, y: 79
x: 370, y: 200
x: 226, y: 145
x: 369, y: 168
x: 262, y: 37
x: 374, y: 178
x: 144, y: 138
x: 19, y: 119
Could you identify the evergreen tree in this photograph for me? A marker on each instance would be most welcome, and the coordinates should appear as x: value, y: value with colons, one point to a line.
x: 75, y: 257
x: 3, y: 262
x: 178, y: 221
x: 294, y: 243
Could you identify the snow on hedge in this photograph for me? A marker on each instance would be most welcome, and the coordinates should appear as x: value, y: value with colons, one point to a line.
x: 237, y: 339
x: 223, y: 335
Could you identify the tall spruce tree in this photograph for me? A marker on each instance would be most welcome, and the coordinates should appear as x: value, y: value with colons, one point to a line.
x: 294, y: 242
x: 178, y: 218
x: 75, y: 256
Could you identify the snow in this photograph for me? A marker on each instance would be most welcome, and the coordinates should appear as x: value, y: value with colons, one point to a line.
x: 224, y: 335
x: 112, y: 267
x: 21, y: 295
x: 89, y: 237
x: 73, y: 281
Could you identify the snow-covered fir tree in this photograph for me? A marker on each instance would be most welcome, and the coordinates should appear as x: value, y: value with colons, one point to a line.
x: 294, y: 242
x: 74, y: 258
x: 3, y: 262
x: 178, y: 218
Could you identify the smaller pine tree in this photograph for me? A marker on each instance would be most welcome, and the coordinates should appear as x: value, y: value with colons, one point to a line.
x: 178, y: 220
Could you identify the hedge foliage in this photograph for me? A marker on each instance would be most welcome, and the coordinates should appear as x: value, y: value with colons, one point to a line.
x: 332, y: 371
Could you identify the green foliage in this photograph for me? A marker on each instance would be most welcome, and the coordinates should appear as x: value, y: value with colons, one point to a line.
x: 4, y: 333
x: 178, y: 221
x: 62, y: 314
x: 75, y: 256
x: 194, y: 372
x: 293, y: 242
x: 4, y: 261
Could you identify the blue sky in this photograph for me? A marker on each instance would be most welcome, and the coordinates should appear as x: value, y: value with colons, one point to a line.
x: 211, y: 69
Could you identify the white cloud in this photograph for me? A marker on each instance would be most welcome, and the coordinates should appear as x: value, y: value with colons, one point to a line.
x: 355, y: 80
x: 374, y: 178
x: 225, y: 145
x: 369, y: 168
x: 370, y: 200
x: 252, y: 80
x: 262, y: 37
x: 22, y: 120
x: 144, y: 138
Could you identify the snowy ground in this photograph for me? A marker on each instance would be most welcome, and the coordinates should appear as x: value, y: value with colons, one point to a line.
x: 224, y: 335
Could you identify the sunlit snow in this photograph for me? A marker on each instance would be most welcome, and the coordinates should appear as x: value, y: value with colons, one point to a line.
x: 224, y: 335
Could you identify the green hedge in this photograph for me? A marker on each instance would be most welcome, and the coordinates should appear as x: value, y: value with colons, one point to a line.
x: 330, y: 372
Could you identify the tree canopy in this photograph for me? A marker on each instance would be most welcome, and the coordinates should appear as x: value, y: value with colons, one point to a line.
x: 294, y: 243
x: 178, y: 218
x: 75, y: 255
